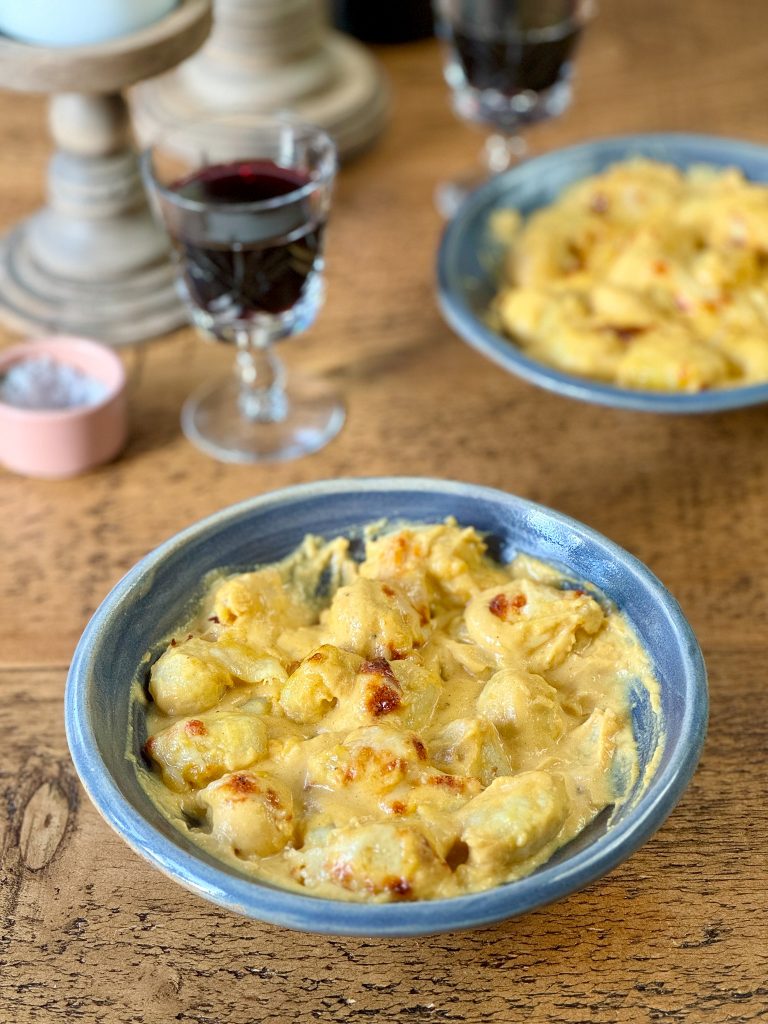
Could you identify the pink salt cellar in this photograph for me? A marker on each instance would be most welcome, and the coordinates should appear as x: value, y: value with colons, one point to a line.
x: 54, y: 443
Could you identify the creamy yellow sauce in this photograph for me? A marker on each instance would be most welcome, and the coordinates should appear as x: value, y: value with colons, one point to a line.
x: 418, y: 725
x: 643, y: 276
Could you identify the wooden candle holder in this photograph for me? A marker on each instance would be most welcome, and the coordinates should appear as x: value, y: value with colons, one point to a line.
x: 271, y: 56
x: 93, y: 261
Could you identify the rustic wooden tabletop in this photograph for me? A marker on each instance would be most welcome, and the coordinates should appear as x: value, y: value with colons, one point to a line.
x: 680, y: 932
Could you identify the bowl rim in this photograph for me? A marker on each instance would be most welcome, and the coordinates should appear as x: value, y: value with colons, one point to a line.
x: 308, y: 913
x: 692, y: 147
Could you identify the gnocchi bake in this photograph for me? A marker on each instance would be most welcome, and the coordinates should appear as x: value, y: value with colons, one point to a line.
x: 643, y: 276
x: 411, y: 720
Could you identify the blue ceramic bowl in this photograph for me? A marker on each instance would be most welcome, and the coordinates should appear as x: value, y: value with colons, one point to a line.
x: 469, y: 260
x: 149, y: 602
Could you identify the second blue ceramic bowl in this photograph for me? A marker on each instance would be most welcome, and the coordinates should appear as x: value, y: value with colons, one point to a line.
x: 469, y: 260
x: 103, y: 727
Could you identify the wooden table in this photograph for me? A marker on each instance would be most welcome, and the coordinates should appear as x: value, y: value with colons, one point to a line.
x: 679, y: 933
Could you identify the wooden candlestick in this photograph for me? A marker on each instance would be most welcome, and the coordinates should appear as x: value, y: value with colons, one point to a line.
x: 93, y: 261
x: 270, y: 56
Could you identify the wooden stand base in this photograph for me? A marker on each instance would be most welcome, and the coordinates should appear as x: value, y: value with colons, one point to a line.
x: 93, y: 261
x: 131, y: 308
x: 269, y: 57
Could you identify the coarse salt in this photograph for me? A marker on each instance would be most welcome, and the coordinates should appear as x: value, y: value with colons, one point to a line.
x: 43, y: 383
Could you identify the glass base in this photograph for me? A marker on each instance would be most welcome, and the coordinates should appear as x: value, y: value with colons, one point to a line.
x: 500, y: 152
x: 311, y: 415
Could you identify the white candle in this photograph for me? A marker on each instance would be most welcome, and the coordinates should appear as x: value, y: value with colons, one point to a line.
x: 77, y: 22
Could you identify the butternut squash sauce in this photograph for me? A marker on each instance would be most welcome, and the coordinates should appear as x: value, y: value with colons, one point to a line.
x: 418, y: 725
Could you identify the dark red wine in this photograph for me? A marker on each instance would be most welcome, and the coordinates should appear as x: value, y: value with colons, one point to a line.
x: 534, y: 60
x: 238, y: 262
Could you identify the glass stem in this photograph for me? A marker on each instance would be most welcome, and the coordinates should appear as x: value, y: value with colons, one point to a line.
x: 503, y: 151
x: 262, y: 378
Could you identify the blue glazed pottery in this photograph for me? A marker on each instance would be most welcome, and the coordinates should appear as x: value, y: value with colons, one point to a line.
x: 151, y: 600
x: 469, y: 259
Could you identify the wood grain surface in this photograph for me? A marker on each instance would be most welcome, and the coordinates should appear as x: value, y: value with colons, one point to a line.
x: 680, y: 932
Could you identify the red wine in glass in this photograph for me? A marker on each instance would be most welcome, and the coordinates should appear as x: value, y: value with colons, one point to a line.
x: 245, y: 200
x: 509, y: 65
x: 532, y: 61
x: 238, y: 263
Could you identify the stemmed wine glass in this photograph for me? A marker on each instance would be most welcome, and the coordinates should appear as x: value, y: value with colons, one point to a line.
x: 245, y: 201
x: 509, y: 65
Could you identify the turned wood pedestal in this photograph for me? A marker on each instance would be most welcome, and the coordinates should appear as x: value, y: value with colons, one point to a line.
x: 93, y: 261
x: 267, y: 57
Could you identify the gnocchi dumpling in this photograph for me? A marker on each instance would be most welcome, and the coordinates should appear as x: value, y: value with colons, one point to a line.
x: 470, y: 746
x: 523, y: 706
x: 194, y: 675
x: 374, y: 619
x: 451, y: 561
x: 186, y: 678
x: 589, y: 751
x: 671, y: 359
x: 263, y: 594
x: 249, y: 812
x: 514, y: 819
x: 194, y: 751
x: 537, y: 622
x: 405, y: 692
x: 377, y: 758
x: 576, y: 349
x: 381, y: 860
x: 245, y: 665
x: 317, y: 683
